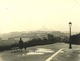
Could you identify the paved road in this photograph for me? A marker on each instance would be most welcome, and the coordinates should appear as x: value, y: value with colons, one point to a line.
x: 68, y: 55
x: 38, y: 53
x: 31, y: 53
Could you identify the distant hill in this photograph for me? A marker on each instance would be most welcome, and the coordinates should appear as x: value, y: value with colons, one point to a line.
x: 31, y: 34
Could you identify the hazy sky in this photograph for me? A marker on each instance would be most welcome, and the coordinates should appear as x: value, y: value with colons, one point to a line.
x: 25, y: 15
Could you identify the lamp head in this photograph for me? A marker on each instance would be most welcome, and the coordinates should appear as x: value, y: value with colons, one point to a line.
x: 70, y: 24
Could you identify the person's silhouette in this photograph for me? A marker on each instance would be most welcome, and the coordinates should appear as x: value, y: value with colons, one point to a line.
x: 25, y: 45
x: 21, y: 44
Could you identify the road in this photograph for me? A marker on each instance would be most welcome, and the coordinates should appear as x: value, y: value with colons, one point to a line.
x: 68, y: 55
x: 42, y: 53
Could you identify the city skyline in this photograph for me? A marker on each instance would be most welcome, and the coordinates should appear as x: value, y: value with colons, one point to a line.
x: 29, y: 15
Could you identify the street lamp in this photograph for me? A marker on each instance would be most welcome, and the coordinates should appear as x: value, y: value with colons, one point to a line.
x: 70, y: 47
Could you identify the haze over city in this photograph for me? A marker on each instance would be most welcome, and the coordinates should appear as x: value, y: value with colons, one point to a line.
x: 27, y: 15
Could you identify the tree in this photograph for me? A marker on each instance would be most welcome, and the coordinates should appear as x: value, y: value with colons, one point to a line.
x: 75, y: 39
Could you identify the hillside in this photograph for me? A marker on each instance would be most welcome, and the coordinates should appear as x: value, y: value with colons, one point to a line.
x: 31, y: 34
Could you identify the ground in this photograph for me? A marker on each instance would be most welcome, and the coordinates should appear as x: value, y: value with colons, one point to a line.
x: 68, y: 55
x: 43, y: 52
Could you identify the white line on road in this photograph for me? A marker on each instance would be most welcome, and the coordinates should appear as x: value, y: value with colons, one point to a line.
x: 54, y: 55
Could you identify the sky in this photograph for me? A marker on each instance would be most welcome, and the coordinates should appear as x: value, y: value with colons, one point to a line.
x: 31, y: 15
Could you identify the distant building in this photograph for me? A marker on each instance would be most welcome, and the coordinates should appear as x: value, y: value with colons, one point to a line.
x: 12, y: 39
x: 0, y: 38
x: 24, y: 39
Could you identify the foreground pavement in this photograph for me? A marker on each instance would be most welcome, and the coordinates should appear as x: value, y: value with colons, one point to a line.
x: 68, y: 55
x: 43, y: 52
x: 37, y: 53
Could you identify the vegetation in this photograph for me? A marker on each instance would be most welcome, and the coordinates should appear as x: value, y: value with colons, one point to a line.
x: 49, y: 39
x: 75, y: 39
x: 35, y: 41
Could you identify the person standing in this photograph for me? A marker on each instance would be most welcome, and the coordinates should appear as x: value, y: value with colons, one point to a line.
x: 21, y: 44
x: 25, y: 45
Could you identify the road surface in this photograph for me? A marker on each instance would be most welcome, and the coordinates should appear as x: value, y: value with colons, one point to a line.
x: 42, y: 53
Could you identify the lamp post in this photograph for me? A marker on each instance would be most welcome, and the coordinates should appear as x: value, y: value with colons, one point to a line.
x: 70, y: 24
